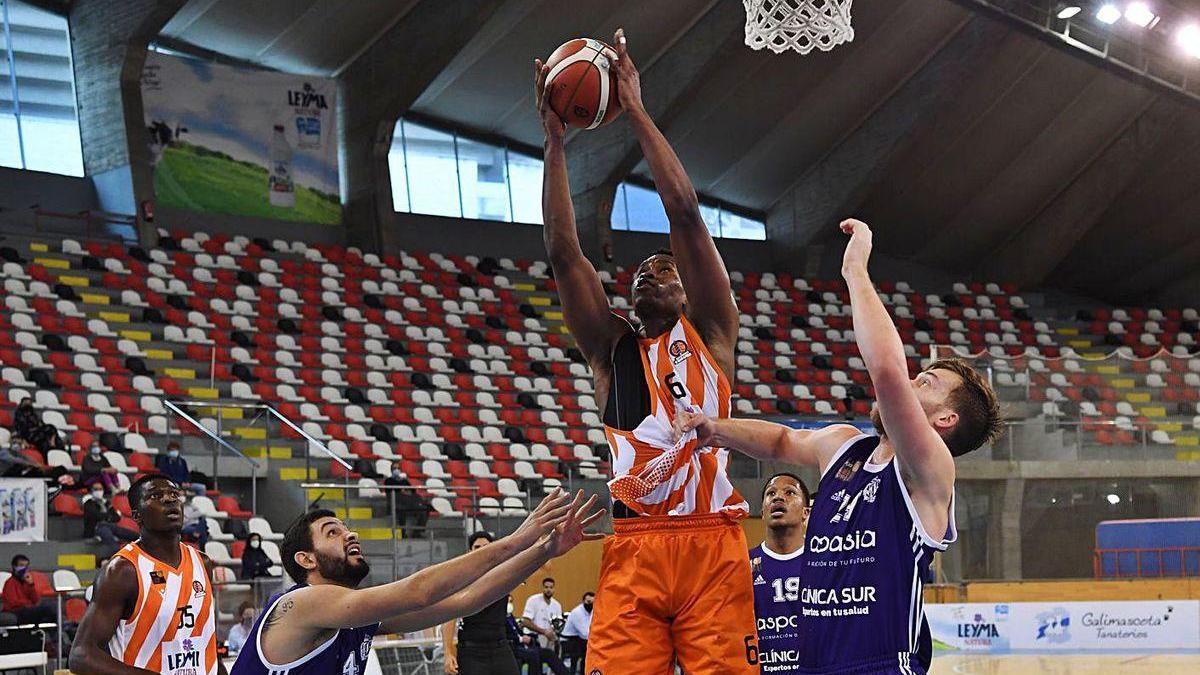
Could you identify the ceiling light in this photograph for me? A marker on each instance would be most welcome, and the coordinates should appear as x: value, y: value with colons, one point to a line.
x: 1189, y: 39
x: 1069, y: 11
x: 1108, y: 14
x: 1114, y: 499
x: 1139, y: 13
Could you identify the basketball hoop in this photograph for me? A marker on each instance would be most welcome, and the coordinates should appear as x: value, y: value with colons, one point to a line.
x: 800, y: 25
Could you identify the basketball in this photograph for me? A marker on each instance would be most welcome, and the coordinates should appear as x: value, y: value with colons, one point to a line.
x: 583, y: 88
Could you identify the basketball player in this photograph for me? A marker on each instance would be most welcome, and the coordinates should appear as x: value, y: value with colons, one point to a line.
x: 153, y: 610
x: 674, y: 580
x: 324, y: 624
x: 885, y: 503
x: 775, y: 566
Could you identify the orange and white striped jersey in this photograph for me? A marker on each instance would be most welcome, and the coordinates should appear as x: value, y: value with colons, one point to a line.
x: 652, y: 475
x: 173, y: 629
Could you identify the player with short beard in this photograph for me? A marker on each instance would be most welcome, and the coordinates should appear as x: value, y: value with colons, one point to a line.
x: 324, y: 624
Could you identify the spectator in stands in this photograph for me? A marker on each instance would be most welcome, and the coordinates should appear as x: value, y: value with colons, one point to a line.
x: 412, y: 510
x: 95, y: 469
x: 529, y: 652
x: 27, y: 423
x: 255, y: 562
x: 14, y: 463
x: 100, y: 520
x: 175, y: 467
x: 241, y: 630
x: 575, y: 632
x: 540, y: 612
x: 195, y: 526
x: 21, y: 597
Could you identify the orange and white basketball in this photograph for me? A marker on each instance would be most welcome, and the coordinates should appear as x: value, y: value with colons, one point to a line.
x: 582, y: 86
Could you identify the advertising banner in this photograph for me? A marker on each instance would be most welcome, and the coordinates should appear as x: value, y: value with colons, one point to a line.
x: 22, y: 510
x: 240, y: 141
x: 1066, y: 626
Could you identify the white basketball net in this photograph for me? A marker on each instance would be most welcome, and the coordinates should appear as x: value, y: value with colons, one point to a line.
x: 801, y: 25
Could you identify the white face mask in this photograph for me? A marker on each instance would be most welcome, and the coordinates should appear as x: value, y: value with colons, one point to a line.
x: 98, y: 494
x: 255, y: 544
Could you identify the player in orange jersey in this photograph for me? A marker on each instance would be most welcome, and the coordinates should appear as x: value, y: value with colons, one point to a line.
x: 675, y: 581
x: 154, y: 609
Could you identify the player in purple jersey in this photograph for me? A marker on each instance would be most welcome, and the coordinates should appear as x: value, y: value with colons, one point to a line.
x: 775, y: 566
x: 885, y: 503
x: 324, y: 625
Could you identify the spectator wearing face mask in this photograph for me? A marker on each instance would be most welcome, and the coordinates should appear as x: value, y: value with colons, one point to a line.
x: 27, y: 423
x: 20, y: 595
x: 241, y: 630
x: 255, y: 562
x: 95, y: 470
x: 175, y: 467
x: 412, y: 511
x: 576, y: 630
x: 100, y: 520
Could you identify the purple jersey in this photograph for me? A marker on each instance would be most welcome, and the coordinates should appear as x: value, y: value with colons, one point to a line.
x: 865, y: 563
x: 777, y: 608
x: 343, y: 654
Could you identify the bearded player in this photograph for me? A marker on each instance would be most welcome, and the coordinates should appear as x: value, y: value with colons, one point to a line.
x: 775, y: 565
x: 154, y: 610
x: 885, y: 503
x: 325, y: 624
x: 675, y: 580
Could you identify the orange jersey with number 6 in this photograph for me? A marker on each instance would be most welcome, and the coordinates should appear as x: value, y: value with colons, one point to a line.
x: 651, y: 474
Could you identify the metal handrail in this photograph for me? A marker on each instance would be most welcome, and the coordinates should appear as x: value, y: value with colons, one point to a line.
x: 171, y: 405
x: 321, y: 446
x: 275, y: 413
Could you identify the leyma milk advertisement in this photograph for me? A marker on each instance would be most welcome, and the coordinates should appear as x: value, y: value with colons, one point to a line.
x: 239, y: 141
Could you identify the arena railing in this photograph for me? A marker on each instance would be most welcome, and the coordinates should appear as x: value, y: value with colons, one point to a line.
x: 220, y: 444
x: 1156, y: 564
x: 392, y: 492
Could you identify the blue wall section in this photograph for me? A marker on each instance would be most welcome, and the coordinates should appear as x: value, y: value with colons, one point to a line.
x: 1155, y: 539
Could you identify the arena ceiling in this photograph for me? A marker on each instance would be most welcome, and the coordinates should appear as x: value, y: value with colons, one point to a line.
x: 972, y: 145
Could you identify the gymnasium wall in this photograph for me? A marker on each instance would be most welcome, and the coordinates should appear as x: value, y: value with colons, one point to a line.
x: 20, y: 190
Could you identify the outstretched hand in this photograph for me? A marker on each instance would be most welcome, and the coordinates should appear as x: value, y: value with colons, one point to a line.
x: 570, y: 533
x: 858, y: 249
x: 687, y: 420
x: 552, y: 124
x: 554, y: 510
x: 629, y: 81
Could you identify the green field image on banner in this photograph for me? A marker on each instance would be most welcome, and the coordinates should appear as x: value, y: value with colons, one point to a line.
x: 194, y: 178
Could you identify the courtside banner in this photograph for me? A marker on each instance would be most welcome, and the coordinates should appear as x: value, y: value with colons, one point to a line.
x: 22, y: 510
x: 1067, y: 626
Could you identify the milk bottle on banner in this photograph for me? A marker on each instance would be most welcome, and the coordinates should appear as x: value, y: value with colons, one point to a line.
x: 280, y: 188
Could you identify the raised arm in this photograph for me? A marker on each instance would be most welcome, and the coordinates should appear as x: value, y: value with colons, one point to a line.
x: 767, y: 441
x: 705, y: 280
x: 500, y: 581
x: 584, y: 303
x: 923, y: 457
x: 115, y: 591
x: 329, y: 606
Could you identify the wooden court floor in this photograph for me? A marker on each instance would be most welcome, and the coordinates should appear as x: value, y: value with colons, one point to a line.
x: 1065, y: 664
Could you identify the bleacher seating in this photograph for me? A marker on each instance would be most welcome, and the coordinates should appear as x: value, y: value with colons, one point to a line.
x: 467, y: 377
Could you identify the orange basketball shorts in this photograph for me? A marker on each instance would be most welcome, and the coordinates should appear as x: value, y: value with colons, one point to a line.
x: 674, y: 588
